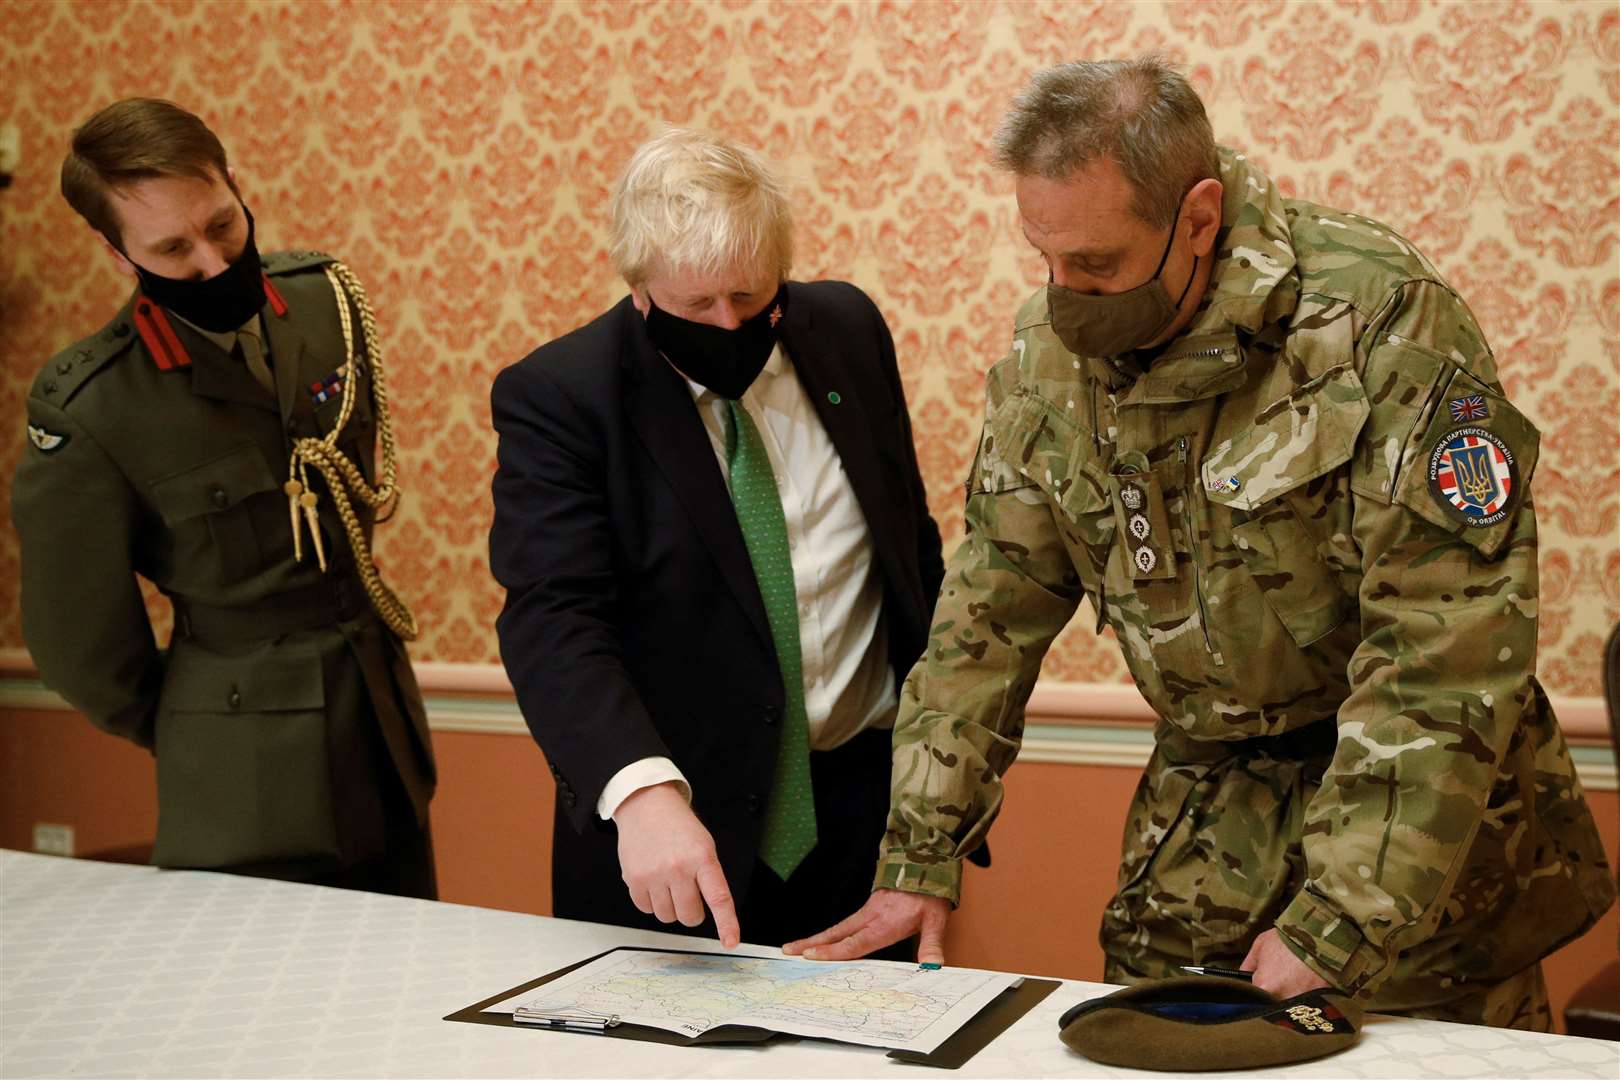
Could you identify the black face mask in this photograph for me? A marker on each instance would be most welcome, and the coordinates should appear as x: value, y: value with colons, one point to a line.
x: 219, y: 304
x: 725, y: 361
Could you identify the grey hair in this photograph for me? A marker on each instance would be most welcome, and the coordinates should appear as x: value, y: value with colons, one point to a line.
x: 1142, y: 114
x: 692, y: 201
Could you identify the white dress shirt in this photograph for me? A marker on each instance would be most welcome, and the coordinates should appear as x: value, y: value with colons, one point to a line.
x: 843, y: 639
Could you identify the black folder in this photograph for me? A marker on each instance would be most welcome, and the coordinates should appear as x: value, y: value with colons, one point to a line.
x: 953, y: 1053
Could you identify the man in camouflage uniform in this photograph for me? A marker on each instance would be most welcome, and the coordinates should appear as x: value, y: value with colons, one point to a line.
x: 1300, y: 499
x: 290, y: 736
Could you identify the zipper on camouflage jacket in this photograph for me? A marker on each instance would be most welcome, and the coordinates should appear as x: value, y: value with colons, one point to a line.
x: 1193, y: 547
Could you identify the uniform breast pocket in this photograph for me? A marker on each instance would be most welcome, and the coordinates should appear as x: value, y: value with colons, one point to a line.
x: 219, y: 512
x: 327, y: 394
x: 1283, y: 558
x: 244, y: 773
x: 358, y: 437
x: 1278, y: 473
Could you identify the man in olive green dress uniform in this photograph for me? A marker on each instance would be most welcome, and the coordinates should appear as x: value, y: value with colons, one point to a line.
x: 1267, y: 442
x: 218, y: 438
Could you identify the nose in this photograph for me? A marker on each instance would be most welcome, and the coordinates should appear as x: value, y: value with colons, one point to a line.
x: 209, y: 261
x: 726, y: 315
x: 1058, y: 276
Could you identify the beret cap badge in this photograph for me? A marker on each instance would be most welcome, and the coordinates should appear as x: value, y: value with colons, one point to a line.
x: 1198, y: 1023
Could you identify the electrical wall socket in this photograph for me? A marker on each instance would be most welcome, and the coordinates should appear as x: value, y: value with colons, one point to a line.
x: 53, y: 839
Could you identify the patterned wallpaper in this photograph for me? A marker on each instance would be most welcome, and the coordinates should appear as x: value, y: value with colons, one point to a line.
x: 457, y: 156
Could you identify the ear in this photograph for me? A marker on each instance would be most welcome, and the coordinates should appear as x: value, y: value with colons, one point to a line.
x: 1204, y: 215
x: 639, y: 297
x: 120, y: 260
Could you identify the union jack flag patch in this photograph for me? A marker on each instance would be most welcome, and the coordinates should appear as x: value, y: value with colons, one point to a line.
x: 327, y: 388
x: 1471, y: 407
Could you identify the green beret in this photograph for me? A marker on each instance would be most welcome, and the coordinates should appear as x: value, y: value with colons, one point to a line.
x: 1198, y: 1022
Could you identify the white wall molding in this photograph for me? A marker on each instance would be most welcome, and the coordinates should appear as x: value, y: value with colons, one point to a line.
x: 1068, y: 723
x: 1054, y: 702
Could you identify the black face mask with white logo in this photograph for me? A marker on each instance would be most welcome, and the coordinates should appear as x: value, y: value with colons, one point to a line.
x: 218, y: 304
x: 725, y: 361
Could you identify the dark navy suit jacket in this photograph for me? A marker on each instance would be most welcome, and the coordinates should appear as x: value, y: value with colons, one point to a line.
x: 633, y: 626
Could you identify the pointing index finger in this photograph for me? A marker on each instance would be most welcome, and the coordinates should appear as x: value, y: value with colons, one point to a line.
x: 717, y: 894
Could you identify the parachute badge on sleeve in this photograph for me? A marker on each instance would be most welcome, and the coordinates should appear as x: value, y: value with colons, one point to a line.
x: 45, y: 442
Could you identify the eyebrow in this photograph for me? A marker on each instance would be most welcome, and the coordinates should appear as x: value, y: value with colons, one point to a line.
x: 1080, y: 252
x: 221, y: 216
x: 694, y: 298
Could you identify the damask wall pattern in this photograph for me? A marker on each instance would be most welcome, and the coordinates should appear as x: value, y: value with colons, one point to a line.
x: 457, y: 156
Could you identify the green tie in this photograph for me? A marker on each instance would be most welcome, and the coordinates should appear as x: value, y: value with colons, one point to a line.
x: 790, y: 821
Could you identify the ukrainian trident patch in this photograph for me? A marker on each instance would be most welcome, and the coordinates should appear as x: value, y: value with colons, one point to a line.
x: 1472, y: 474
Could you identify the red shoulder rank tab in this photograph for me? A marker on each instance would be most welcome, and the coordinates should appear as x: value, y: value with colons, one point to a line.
x: 277, y: 304
x: 153, y: 323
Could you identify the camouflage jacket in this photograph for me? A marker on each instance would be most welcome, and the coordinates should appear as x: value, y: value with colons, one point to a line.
x: 1308, y: 525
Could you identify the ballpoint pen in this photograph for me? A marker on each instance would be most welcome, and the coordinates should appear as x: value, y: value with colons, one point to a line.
x: 591, y: 1024
x: 1222, y: 972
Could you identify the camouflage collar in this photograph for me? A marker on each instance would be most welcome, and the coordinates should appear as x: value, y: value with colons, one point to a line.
x: 1252, y: 282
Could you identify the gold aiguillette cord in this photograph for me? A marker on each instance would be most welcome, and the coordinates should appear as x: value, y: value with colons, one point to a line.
x: 341, y: 476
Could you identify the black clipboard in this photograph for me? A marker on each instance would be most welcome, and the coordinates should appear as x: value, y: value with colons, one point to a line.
x: 953, y: 1053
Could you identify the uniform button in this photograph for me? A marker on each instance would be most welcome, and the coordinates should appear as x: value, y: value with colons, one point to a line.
x: 64, y: 367
x: 755, y: 804
x: 219, y: 498
x: 121, y: 330
x: 234, y: 699
x: 770, y: 714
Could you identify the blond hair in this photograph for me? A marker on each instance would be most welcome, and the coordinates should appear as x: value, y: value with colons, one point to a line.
x: 692, y: 201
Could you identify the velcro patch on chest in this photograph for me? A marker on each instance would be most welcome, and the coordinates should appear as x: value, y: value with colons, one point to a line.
x: 1144, y: 525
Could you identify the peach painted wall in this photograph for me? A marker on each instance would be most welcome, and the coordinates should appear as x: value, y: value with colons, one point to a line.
x: 1036, y: 910
x: 457, y: 156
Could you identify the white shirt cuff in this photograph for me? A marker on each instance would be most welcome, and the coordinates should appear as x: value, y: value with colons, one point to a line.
x: 635, y: 776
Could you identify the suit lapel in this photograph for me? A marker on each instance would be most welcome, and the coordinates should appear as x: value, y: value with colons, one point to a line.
x: 665, y: 419
x: 826, y: 374
x: 286, y: 347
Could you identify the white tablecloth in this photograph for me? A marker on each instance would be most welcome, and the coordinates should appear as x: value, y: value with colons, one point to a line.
x: 109, y: 970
